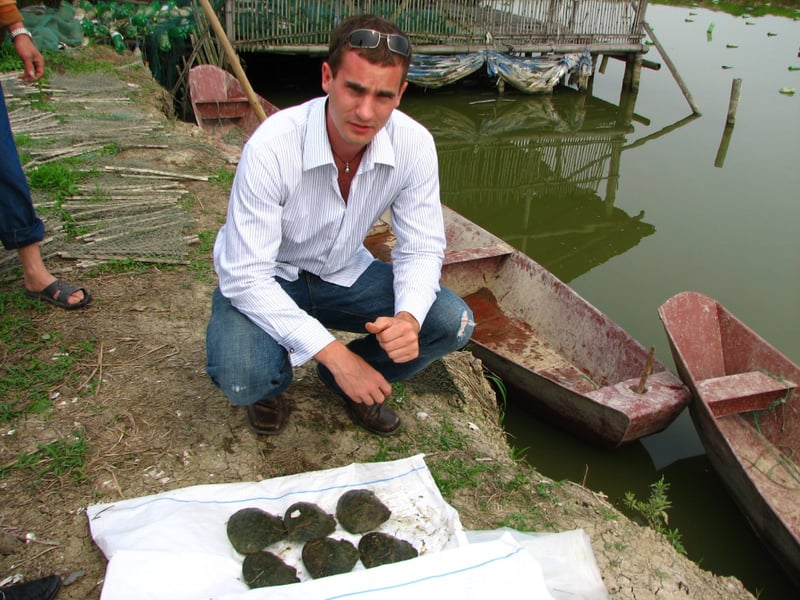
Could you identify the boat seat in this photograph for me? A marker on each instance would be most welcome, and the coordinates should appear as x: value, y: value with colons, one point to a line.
x: 470, y: 254
x: 742, y: 392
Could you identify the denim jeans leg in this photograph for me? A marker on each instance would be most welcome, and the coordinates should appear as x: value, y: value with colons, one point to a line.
x: 19, y: 225
x: 242, y: 360
x: 447, y: 327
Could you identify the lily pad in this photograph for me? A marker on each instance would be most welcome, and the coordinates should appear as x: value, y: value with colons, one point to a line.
x: 264, y: 569
x: 306, y: 521
x: 377, y: 548
x: 252, y: 529
x: 359, y: 511
x: 325, y: 556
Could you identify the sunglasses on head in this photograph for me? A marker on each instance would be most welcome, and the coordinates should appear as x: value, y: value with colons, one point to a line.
x: 369, y: 38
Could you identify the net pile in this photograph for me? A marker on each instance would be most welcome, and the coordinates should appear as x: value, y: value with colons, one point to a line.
x: 126, y: 205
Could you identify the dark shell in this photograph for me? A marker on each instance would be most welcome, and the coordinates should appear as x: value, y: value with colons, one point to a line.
x: 306, y: 521
x: 252, y: 529
x: 264, y: 569
x: 326, y: 556
x: 359, y: 511
x: 377, y: 548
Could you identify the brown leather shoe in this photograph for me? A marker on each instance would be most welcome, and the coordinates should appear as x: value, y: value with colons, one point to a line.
x: 268, y: 416
x: 375, y: 418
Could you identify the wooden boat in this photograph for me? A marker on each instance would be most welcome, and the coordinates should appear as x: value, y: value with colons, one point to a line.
x: 219, y: 102
x: 546, y: 342
x: 745, y: 409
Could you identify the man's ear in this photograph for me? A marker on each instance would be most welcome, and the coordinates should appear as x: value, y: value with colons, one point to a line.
x: 327, y: 76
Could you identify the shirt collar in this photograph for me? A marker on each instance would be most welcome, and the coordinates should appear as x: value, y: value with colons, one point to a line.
x: 317, y: 146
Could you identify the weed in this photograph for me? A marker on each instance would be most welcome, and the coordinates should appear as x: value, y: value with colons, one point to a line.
x: 399, y: 392
x: 455, y: 473
x: 224, y: 178
x: 125, y: 265
x: 654, y: 510
x: 59, y: 458
x: 46, y: 360
x: 500, y: 389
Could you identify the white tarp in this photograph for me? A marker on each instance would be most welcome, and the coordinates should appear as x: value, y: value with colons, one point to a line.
x: 174, y: 545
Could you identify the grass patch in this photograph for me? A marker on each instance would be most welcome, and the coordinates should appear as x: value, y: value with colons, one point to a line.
x: 35, y: 363
x: 62, y: 458
x: 224, y: 178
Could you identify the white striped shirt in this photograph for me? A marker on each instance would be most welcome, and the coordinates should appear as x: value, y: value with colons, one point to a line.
x: 286, y: 215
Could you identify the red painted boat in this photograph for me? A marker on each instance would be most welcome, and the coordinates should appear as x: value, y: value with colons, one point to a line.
x: 574, y: 364
x: 745, y: 409
x: 219, y: 102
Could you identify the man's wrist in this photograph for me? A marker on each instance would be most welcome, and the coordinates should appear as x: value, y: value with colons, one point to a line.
x: 17, y: 31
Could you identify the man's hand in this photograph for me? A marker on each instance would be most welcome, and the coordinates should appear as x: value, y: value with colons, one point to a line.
x: 32, y: 59
x: 354, y: 376
x: 398, y: 336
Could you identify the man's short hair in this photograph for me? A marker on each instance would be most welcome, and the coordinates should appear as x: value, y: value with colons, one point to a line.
x: 380, y: 56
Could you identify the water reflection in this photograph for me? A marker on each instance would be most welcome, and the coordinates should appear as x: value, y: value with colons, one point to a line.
x: 540, y: 172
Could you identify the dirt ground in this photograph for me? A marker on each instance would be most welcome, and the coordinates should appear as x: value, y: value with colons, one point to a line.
x: 152, y: 421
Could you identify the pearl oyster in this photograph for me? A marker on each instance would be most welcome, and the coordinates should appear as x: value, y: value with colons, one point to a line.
x: 252, y: 529
x: 359, y: 511
x: 306, y: 521
x: 377, y: 548
x: 325, y: 556
x: 264, y: 569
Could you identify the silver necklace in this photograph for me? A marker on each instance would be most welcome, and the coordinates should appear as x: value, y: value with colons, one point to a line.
x: 347, y: 162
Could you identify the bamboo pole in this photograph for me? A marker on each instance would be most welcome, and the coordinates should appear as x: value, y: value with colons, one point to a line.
x: 733, y: 105
x: 234, y: 60
x: 673, y: 70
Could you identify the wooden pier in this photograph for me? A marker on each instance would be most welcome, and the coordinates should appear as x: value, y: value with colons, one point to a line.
x: 527, y: 28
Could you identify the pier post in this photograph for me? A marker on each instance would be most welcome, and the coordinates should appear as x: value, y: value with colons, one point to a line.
x: 633, y: 72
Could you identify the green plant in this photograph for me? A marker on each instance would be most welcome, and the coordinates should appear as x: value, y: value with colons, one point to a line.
x: 62, y: 457
x: 654, y: 510
x: 42, y: 361
x: 455, y: 473
x: 224, y: 178
x: 59, y: 179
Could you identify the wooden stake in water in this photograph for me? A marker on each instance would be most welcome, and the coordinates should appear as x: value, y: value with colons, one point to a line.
x: 733, y: 105
x: 648, y: 367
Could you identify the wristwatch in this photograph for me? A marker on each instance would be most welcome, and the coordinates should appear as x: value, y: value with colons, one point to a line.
x: 19, y: 31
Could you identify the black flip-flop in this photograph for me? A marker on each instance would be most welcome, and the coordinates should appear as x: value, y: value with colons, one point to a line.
x: 58, y: 293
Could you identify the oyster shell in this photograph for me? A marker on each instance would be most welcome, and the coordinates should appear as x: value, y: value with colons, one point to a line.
x: 359, y: 511
x: 264, y: 569
x: 252, y: 529
x: 305, y: 521
x: 377, y: 548
x: 326, y: 556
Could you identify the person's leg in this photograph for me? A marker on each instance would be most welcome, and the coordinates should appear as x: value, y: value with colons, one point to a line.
x: 243, y: 361
x: 447, y: 327
x: 20, y: 228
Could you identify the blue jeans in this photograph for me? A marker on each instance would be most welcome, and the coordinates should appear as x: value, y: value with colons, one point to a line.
x: 248, y: 365
x: 19, y: 225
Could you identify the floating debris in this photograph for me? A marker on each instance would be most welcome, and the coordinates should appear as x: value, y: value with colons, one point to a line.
x: 264, y: 569
x: 252, y: 529
x: 794, y: 67
x: 689, y: 20
x: 727, y: 67
x: 787, y: 90
x: 731, y: 46
x: 771, y: 34
x: 306, y: 521
x: 325, y: 556
x: 377, y: 548
x: 359, y: 511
